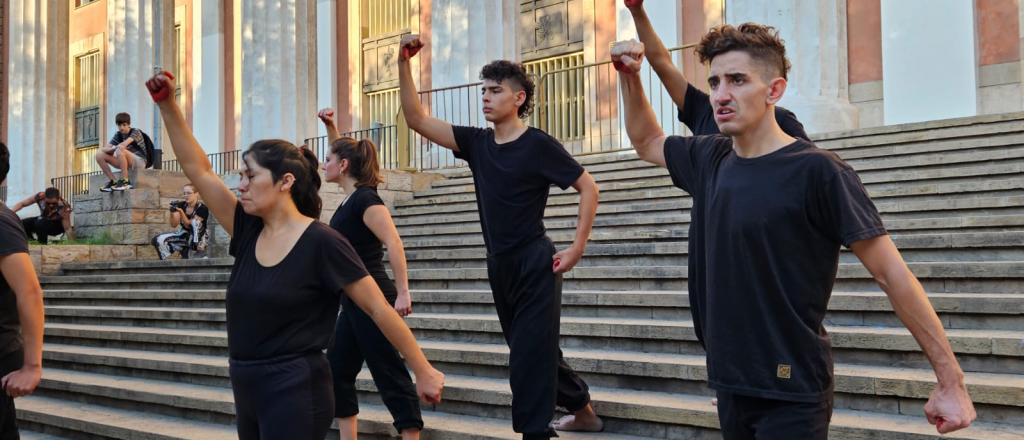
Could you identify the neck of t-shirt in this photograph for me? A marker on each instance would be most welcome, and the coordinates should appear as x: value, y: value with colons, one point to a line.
x: 763, y: 139
x: 509, y: 131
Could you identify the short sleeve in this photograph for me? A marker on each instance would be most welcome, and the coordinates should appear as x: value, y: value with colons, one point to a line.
x: 371, y: 198
x: 12, y: 236
x: 696, y: 112
x: 847, y: 211
x: 790, y: 124
x: 556, y: 165
x: 117, y: 139
x: 686, y: 157
x: 244, y: 224
x: 465, y: 138
x: 341, y: 264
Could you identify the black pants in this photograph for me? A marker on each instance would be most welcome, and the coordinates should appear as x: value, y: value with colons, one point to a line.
x: 357, y: 338
x: 8, y: 416
x: 753, y: 418
x: 528, y: 298
x: 287, y: 397
x: 42, y: 227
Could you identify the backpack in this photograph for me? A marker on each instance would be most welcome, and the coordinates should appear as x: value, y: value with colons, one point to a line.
x: 150, y: 151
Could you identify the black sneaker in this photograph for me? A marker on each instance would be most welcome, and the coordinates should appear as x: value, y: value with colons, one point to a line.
x: 122, y: 185
x: 108, y: 187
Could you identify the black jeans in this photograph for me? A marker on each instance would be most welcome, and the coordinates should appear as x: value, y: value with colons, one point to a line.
x: 528, y: 299
x: 357, y: 338
x: 754, y: 418
x: 9, y: 363
x: 43, y: 228
x: 287, y: 397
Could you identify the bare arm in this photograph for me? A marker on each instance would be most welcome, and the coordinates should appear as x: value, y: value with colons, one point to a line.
x: 378, y: 219
x: 22, y: 204
x: 642, y: 126
x: 194, y: 162
x: 176, y: 217
x: 66, y: 224
x: 587, y: 187
x: 19, y: 273
x: 661, y: 61
x: 367, y: 295
x: 326, y: 116
x: 950, y: 406
x: 434, y: 129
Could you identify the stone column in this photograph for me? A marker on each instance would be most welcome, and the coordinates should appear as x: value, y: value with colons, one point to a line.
x: 327, y: 57
x: 279, y: 70
x: 39, y: 108
x: 466, y: 35
x: 815, y: 35
x: 208, y: 73
x: 131, y: 58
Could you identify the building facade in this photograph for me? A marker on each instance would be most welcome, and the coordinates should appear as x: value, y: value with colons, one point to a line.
x: 250, y: 70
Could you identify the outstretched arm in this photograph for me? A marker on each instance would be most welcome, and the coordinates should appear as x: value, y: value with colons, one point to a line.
x: 642, y: 126
x: 661, y: 61
x: 949, y: 407
x: 194, y: 162
x: 434, y: 129
x: 22, y: 204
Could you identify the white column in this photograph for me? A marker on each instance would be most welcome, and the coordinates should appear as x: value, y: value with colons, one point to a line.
x: 279, y: 70
x: 815, y: 36
x: 327, y: 58
x: 38, y: 109
x: 131, y: 57
x: 208, y: 74
x: 468, y: 34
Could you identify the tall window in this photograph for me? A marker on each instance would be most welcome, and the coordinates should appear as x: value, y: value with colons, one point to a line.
x: 87, y: 111
x: 383, y: 24
x: 179, y: 63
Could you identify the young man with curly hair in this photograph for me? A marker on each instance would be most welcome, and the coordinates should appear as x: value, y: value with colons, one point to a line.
x: 774, y: 211
x: 513, y: 169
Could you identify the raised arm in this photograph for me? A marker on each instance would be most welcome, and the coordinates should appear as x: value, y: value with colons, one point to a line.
x: 194, y: 162
x: 434, y: 129
x: 642, y: 127
x: 661, y: 61
x: 326, y: 116
x: 949, y: 407
x: 378, y: 219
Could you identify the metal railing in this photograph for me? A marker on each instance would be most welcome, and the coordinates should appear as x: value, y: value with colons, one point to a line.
x: 385, y: 138
x: 74, y: 184
x: 458, y: 105
x: 223, y: 163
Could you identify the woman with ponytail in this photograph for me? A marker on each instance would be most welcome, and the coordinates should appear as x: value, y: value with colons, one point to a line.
x: 364, y: 220
x: 287, y: 281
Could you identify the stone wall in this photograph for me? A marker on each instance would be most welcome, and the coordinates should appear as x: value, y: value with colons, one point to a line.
x: 47, y: 259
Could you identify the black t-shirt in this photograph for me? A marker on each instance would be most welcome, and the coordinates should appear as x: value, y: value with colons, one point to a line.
x: 768, y: 248
x: 289, y: 308
x: 12, y: 241
x: 348, y: 221
x: 512, y: 182
x: 698, y: 115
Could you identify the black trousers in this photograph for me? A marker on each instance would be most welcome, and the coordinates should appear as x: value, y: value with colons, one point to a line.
x: 528, y: 299
x: 43, y: 228
x: 8, y: 415
x: 357, y: 338
x: 754, y: 418
x: 287, y: 397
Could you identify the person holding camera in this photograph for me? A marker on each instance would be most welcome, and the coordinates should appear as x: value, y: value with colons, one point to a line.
x: 192, y: 238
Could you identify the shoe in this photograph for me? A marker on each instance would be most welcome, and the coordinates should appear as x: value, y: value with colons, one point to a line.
x: 122, y: 185
x: 108, y: 187
x: 199, y: 255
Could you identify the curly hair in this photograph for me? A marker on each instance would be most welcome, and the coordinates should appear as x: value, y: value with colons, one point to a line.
x: 502, y: 70
x: 761, y: 42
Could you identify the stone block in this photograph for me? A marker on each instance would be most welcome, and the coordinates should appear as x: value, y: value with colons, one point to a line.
x: 157, y: 216
x: 112, y: 253
x: 49, y: 269
x: 145, y: 179
x: 65, y: 254
x: 145, y: 252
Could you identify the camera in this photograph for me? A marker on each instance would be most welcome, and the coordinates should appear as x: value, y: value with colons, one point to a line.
x: 178, y: 204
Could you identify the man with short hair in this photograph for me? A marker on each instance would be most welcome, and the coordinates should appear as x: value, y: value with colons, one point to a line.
x: 513, y: 167
x: 21, y: 315
x: 126, y: 151
x: 54, y: 216
x: 774, y: 211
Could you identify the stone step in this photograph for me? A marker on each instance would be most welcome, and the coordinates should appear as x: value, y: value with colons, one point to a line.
x: 137, y: 281
x: 32, y: 435
x: 105, y: 422
x: 916, y: 135
x: 135, y: 298
x: 206, y: 265
x: 163, y: 317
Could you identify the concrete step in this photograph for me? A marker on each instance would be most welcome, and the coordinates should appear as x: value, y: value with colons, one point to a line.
x: 32, y: 435
x: 915, y: 136
x: 113, y: 296
x: 171, y: 340
x: 163, y: 317
x: 207, y: 265
x: 105, y: 422
x: 137, y: 281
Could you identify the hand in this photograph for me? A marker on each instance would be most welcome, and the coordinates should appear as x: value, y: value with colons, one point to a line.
x: 950, y: 408
x: 628, y: 56
x: 326, y: 115
x: 409, y: 47
x: 403, y: 305
x: 566, y: 260
x: 22, y: 382
x: 160, y: 86
x: 429, y: 385
x: 630, y: 4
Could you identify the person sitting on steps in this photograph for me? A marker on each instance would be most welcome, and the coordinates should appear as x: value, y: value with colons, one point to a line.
x: 127, y: 150
x: 191, y: 240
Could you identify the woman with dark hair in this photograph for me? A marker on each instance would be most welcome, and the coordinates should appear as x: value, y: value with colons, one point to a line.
x: 363, y: 219
x: 289, y: 275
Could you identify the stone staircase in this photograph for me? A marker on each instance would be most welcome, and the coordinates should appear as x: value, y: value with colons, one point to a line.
x: 137, y: 349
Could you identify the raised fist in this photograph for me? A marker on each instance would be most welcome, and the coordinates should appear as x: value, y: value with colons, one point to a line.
x: 628, y: 56
x: 161, y: 86
x: 634, y: 4
x: 409, y: 46
x: 326, y: 115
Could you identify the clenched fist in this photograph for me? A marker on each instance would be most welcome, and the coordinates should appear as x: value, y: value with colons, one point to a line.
x: 634, y: 4
x: 410, y: 46
x: 160, y: 86
x: 327, y: 116
x: 628, y: 56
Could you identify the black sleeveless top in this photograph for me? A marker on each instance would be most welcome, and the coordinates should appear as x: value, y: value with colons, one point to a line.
x: 348, y: 220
